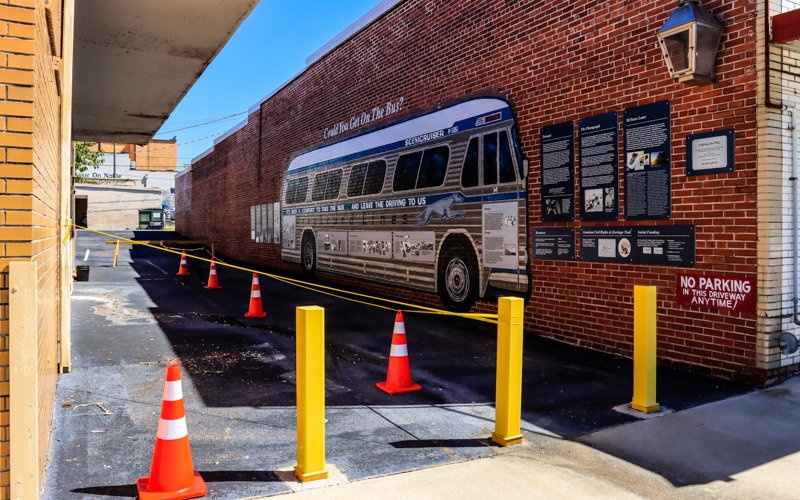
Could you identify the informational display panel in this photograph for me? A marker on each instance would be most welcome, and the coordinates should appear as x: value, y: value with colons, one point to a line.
x: 648, y: 184
x: 271, y: 224
x: 253, y: 224
x: 653, y: 245
x: 598, y: 137
x: 717, y: 292
x: 289, y: 232
x: 710, y: 152
x: 332, y: 242
x: 501, y: 235
x: 258, y: 224
x: 417, y: 246
x: 558, y: 172
x: 265, y: 221
x: 376, y: 244
x: 276, y: 222
x: 554, y: 243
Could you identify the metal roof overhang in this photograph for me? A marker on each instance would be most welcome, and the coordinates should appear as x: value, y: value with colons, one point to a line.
x: 136, y: 59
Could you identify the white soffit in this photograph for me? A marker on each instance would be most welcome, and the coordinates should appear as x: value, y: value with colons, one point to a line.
x: 136, y: 59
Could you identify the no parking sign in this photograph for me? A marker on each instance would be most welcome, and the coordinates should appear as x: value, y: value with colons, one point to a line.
x: 716, y: 292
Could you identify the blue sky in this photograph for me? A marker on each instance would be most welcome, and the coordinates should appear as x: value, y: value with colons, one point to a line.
x: 269, y: 47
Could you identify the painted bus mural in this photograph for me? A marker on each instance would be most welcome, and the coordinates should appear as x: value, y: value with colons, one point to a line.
x: 435, y: 203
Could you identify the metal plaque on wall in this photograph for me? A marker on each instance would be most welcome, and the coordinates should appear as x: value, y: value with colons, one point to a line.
x: 558, y: 172
x: 654, y: 245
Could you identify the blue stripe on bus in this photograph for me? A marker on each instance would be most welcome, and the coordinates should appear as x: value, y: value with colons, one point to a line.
x: 458, y: 127
x: 407, y: 202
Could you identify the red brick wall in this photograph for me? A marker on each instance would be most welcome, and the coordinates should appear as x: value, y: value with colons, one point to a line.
x: 554, y: 61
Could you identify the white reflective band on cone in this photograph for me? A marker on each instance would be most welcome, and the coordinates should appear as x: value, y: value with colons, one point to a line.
x: 256, y: 293
x: 172, y: 391
x: 255, y: 281
x: 213, y: 271
x: 399, y: 350
x: 399, y: 328
x: 170, y: 430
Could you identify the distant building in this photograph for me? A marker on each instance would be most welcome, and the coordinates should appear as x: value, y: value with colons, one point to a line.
x: 152, y: 166
x: 113, y: 207
x: 158, y: 154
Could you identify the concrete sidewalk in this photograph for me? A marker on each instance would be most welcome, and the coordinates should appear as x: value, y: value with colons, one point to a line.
x: 741, y: 448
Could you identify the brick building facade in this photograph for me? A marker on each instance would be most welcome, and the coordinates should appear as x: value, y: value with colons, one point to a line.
x: 553, y: 62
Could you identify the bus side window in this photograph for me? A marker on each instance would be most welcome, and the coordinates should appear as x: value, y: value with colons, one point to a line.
x: 506, y: 163
x: 490, y: 159
x: 469, y: 175
x: 405, y: 173
x: 334, y: 184
x: 296, y: 191
x: 356, y: 183
x: 320, y: 183
x: 434, y: 167
x: 375, y: 175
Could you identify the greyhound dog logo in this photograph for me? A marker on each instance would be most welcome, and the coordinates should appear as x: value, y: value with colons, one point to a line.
x: 442, y: 208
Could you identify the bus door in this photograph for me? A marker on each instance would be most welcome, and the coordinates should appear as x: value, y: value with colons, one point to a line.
x: 501, y: 186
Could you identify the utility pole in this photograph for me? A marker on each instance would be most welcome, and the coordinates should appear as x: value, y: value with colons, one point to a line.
x: 115, y: 160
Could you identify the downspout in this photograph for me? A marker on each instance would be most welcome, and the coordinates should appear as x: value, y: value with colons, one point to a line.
x: 767, y: 100
x: 258, y: 161
x: 787, y: 342
x: 795, y: 254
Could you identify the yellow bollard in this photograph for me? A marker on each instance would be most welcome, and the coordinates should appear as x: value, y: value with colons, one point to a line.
x: 310, y: 394
x: 116, y: 254
x: 508, y: 402
x: 644, y: 348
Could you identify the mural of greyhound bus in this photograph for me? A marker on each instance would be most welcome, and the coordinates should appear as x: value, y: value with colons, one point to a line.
x: 435, y: 203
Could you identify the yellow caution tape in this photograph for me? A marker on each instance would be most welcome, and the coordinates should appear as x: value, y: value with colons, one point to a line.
x: 418, y: 309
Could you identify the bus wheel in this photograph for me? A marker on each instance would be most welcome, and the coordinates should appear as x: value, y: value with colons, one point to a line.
x: 308, y: 255
x: 458, y: 278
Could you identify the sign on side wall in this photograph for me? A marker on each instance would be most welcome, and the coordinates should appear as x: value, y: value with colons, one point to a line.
x: 717, y: 292
x: 710, y: 152
x: 558, y: 172
x: 599, y: 167
x: 653, y: 245
x: 554, y: 243
x: 648, y: 185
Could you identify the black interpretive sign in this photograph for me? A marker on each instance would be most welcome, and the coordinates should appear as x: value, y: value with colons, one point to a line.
x: 599, y: 167
x: 554, y: 243
x: 710, y: 152
x: 648, y: 185
x: 558, y: 172
x: 653, y: 245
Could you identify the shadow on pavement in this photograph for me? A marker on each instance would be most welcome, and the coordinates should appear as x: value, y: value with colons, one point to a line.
x: 711, y: 443
x: 217, y: 476
x: 234, y: 361
x: 237, y: 364
x: 444, y: 443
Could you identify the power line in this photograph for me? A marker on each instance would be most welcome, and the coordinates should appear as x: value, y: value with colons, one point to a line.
x: 204, y: 123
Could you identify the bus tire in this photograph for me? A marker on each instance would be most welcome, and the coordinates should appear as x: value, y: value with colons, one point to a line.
x: 308, y: 254
x: 458, y: 277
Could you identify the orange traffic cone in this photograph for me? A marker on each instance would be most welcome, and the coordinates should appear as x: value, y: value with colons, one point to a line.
x: 256, y: 309
x: 213, y: 284
x: 184, y: 267
x: 398, y: 380
x: 172, y: 475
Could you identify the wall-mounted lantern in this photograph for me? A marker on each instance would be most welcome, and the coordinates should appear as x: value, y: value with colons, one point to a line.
x: 689, y: 41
